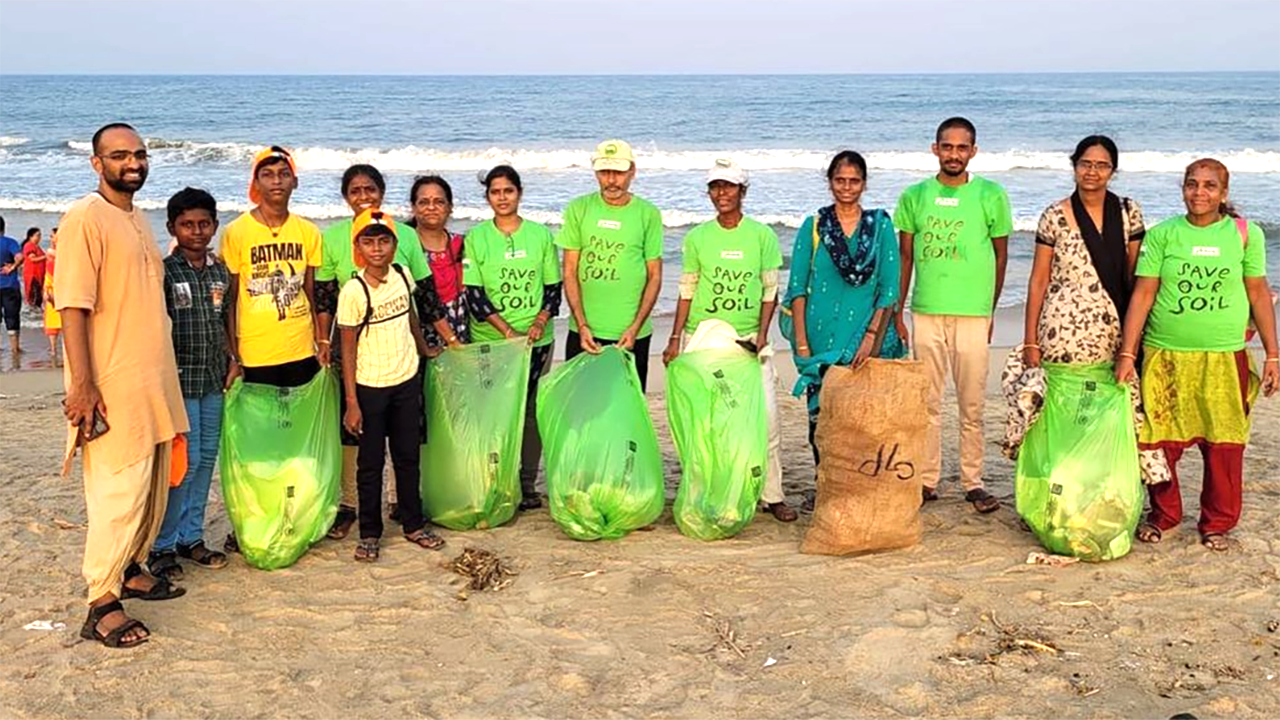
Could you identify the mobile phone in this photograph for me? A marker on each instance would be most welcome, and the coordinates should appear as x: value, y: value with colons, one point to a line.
x: 96, y: 429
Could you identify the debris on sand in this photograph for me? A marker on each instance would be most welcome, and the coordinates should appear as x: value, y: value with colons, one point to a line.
x: 727, y: 637
x: 482, y: 569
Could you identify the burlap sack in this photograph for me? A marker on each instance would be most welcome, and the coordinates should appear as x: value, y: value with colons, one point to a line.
x: 871, y: 435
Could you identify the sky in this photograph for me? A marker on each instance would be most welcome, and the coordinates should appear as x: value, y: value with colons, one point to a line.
x: 513, y: 37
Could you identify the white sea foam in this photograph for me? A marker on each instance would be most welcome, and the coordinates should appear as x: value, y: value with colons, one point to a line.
x: 413, y: 158
x: 7, y: 141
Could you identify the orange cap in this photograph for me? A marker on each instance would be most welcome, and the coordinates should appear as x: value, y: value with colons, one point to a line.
x: 371, y: 218
x: 265, y: 154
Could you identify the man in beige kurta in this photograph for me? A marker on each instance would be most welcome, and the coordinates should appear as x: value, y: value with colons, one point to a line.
x: 119, y: 364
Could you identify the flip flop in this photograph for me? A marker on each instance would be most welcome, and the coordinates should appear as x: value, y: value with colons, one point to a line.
x: 1149, y: 533
x: 367, y: 550
x: 1216, y: 542
x: 425, y: 538
x: 983, y: 501
x: 342, y: 524
x: 782, y: 512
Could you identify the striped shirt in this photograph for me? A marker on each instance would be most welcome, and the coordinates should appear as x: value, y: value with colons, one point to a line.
x: 386, y: 354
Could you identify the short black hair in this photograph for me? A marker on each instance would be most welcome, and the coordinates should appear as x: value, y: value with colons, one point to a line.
x: 97, y: 137
x: 368, y: 171
x: 1093, y: 141
x: 2, y: 225
x: 503, y: 171
x: 190, y: 198
x: 957, y: 122
x: 847, y: 157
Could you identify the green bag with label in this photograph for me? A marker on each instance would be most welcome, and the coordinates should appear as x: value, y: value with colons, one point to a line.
x: 475, y: 401
x: 716, y: 409
x: 281, y: 467
x: 1078, y: 483
x: 604, y: 468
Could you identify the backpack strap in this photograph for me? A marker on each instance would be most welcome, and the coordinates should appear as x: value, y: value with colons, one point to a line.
x: 1242, y: 225
x: 413, y: 308
x: 368, y: 304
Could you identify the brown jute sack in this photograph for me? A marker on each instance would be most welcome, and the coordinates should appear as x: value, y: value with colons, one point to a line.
x: 871, y: 435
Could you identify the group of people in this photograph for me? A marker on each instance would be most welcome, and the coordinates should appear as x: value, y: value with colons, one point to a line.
x: 152, y: 343
x: 26, y: 276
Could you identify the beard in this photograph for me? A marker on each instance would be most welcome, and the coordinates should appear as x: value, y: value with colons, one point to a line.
x: 120, y: 184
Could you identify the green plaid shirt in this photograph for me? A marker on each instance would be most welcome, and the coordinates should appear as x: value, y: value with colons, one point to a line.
x: 195, y: 301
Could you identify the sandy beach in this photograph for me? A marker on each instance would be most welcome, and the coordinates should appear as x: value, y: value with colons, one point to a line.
x: 656, y: 625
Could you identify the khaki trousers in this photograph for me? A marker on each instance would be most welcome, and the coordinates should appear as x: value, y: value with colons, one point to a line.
x: 957, y: 344
x: 125, y: 510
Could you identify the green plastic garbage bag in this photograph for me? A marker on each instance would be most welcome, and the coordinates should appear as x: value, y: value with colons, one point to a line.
x: 604, y: 468
x: 716, y: 408
x: 281, y: 467
x: 475, y: 400
x: 1078, y: 483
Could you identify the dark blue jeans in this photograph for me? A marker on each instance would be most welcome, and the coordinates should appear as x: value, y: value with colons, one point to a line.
x: 184, y: 517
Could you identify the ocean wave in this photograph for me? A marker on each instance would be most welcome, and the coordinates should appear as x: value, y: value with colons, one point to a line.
x: 413, y: 158
x: 7, y: 141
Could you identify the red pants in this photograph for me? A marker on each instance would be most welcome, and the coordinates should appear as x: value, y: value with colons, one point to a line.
x: 1222, y: 492
x: 1220, y: 496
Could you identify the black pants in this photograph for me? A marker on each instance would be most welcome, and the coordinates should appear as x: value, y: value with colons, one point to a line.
x: 290, y: 374
x: 390, y: 414
x: 573, y: 348
x: 531, y: 446
x: 11, y: 308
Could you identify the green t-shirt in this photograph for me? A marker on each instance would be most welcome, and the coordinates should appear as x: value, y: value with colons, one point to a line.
x: 955, y: 263
x: 616, y: 243
x: 337, y: 255
x: 1202, y: 303
x: 512, y: 270
x: 729, y: 264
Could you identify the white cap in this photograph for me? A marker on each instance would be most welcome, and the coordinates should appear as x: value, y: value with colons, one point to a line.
x: 728, y: 171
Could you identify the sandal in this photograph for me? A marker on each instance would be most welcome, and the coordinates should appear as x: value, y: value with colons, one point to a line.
x: 115, y: 638
x: 342, y: 523
x: 230, y: 545
x: 530, y: 502
x: 164, y: 564
x: 1149, y: 533
x: 202, y: 556
x: 983, y: 501
x: 782, y: 512
x: 928, y: 494
x: 425, y: 538
x: 810, y: 501
x: 161, y: 589
x: 367, y: 550
x: 1216, y: 542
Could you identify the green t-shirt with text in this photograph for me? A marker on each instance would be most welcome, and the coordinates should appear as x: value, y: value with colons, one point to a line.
x: 955, y: 263
x: 338, y: 262
x: 513, y: 271
x: 1202, y: 304
x: 615, y: 245
x: 729, y: 264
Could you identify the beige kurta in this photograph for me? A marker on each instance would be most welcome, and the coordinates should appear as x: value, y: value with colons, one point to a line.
x: 108, y: 264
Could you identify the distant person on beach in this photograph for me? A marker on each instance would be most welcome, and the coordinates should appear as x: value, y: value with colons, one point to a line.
x: 953, y: 231
x: 11, y: 288
x: 382, y: 341
x: 843, y: 285
x: 195, y: 288
x: 123, y: 403
x: 1086, y: 250
x: 52, y: 318
x: 272, y: 256
x: 512, y: 276
x: 33, y: 268
x: 1201, y: 276
x: 730, y: 273
x: 431, y: 198
x: 363, y: 188
x: 612, y: 244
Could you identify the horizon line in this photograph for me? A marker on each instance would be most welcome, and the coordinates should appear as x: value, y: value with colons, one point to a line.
x: 648, y: 74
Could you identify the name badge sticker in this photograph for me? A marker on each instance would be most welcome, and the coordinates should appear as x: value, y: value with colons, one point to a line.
x: 731, y: 255
x: 609, y: 224
x: 1206, y: 252
x: 515, y: 254
x: 947, y: 202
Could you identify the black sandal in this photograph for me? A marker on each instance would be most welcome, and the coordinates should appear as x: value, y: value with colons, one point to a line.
x: 425, y: 538
x: 164, y: 564
x: 202, y: 556
x: 342, y: 523
x: 114, y: 638
x: 983, y: 501
x: 161, y: 590
x: 530, y: 502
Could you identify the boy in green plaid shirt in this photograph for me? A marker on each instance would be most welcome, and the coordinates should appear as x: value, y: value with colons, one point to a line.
x: 195, y: 283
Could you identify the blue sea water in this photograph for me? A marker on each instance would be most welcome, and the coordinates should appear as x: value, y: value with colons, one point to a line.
x: 203, y: 131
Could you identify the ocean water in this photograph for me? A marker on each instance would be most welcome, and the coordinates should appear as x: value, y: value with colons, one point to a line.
x: 203, y: 131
